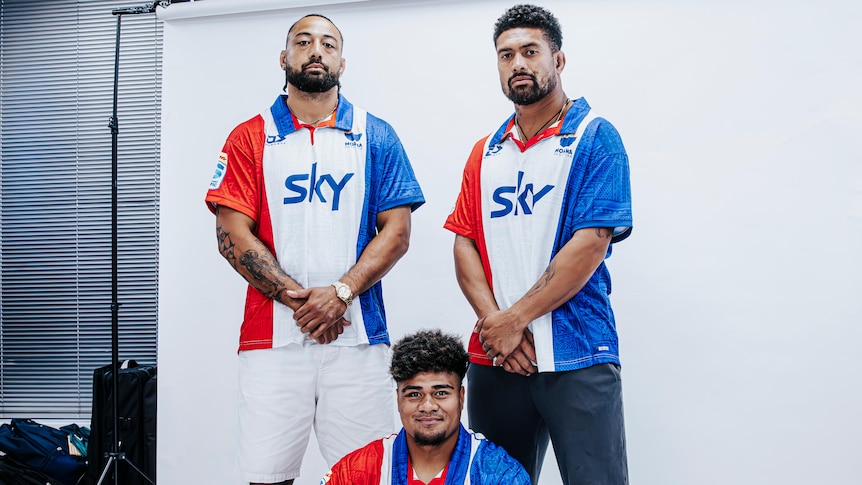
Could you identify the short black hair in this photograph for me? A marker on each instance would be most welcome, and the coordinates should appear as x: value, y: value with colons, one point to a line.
x: 428, y: 351
x: 316, y: 15
x: 531, y: 16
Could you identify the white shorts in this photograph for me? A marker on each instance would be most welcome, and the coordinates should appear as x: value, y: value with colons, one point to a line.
x: 345, y: 392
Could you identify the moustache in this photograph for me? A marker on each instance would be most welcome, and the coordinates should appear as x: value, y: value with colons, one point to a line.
x: 429, y: 414
x: 522, y: 74
x: 313, y: 60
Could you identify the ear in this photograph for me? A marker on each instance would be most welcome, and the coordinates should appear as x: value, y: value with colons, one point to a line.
x: 462, y: 397
x: 560, y: 61
x: 341, y: 67
x: 282, y: 59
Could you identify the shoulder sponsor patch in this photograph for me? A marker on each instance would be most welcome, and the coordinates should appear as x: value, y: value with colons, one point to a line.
x: 221, y: 169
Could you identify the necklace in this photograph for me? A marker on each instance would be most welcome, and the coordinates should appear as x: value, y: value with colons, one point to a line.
x: 314, y: 123
x: 548, y: 123
x: 327, y: 115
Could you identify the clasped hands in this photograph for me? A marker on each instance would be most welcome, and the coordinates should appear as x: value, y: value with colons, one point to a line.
x: 506, y: 343
x: 320, y: 313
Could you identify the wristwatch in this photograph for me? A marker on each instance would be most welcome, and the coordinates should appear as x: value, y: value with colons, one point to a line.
x: 343, y: 293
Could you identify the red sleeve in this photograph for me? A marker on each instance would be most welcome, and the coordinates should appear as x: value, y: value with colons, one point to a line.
x: 237, y: 182
x: 361, y: 467
x: 466, y: 217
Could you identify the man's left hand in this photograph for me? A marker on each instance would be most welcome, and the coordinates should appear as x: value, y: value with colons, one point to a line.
x: 523, y: 360
x: 320, y: 312
x: 500, y: 333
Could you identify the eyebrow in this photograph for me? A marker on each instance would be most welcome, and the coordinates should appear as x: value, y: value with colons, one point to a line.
x: 506, y: 49
x: 434, y: 387
x: 329, y: 36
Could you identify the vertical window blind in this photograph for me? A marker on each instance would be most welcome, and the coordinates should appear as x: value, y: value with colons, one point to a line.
x: 56, y: 85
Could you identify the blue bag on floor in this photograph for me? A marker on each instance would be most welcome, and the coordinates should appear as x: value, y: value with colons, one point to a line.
x: 42, y: 448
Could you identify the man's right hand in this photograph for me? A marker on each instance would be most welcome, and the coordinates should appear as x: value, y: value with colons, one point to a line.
x: 321, y: 316
x: 523, y: 359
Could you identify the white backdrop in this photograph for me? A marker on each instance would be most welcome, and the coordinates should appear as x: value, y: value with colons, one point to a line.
x: 737, y: 296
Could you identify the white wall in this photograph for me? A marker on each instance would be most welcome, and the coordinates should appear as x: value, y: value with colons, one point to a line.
x: 737, y: 294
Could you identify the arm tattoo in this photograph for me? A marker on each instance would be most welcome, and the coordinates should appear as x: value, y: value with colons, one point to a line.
x: 604, y: 232
x: 263, y: 270
x: 544, y: 281
x: 226, y: 246
x: 550, y: 271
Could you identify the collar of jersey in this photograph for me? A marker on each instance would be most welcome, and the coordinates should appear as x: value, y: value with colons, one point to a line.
x: 576, y: 112
x: 284, y: 120
x: 458, y: 464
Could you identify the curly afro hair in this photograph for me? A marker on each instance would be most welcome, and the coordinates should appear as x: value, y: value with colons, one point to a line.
x: 531, y: 16
x: 428, y: 351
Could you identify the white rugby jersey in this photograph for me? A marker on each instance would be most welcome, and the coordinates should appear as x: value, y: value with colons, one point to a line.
x: 522, y: 201
x: 314, y: 192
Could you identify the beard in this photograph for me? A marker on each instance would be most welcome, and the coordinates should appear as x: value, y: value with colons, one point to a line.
x: 525, y: 95
x: 311, y: 83
x: 430, y: 439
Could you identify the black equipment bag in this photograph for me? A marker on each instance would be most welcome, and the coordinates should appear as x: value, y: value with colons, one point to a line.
x: 13, y: 472
x: 136, y: 407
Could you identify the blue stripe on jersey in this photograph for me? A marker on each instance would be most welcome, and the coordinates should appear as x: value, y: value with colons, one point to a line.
x: 396, y: 186
x: 597, y: 194
x: 282, y: 117
x: 497, y: 138
x: 344, y: 116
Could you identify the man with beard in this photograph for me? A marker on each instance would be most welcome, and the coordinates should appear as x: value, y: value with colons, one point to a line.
x: 542, y: 199
x: 313, y: 199
x: 432, y: 447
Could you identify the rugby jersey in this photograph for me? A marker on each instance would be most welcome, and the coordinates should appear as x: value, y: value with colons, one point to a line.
x: 521, y: 202
x: 314, y: 193
x: 474, y: 461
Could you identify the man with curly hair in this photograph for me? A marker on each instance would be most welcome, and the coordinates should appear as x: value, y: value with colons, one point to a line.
x: 542, y: 200
x: 433, y: 447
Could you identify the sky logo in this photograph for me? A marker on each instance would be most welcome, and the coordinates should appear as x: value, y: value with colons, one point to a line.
x: 521, y: 197
x: 308, y: 187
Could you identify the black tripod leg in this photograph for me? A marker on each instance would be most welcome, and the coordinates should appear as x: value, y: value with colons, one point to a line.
x: 140, y: 472
x: 115, y: 459
x: 111, y: 461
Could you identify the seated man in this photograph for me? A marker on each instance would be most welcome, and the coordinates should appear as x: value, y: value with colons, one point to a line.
x: 432, y: 447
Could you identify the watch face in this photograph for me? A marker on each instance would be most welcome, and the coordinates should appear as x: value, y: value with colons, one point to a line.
x: 343, y: 292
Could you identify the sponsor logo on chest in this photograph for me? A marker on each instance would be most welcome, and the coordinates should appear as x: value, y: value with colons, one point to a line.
x: 298, y: 172
x: 354, y: 140
x: 312, y: 186
x: 519, y: 199
x: 522, y: 183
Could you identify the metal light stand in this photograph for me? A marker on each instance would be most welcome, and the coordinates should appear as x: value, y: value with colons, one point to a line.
x: 115, y: 457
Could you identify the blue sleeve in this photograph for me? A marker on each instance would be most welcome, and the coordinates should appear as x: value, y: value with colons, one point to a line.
x: 599, y: 190
x: 394, y: 183
x: 493, y: 466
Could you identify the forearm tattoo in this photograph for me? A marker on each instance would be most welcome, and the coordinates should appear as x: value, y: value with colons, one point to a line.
x: 260, y: 268
x: 263, y: 269
x: 226, y: 246
x: 550, y: 271
x: 544, y: 281
x: 604, y: 233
